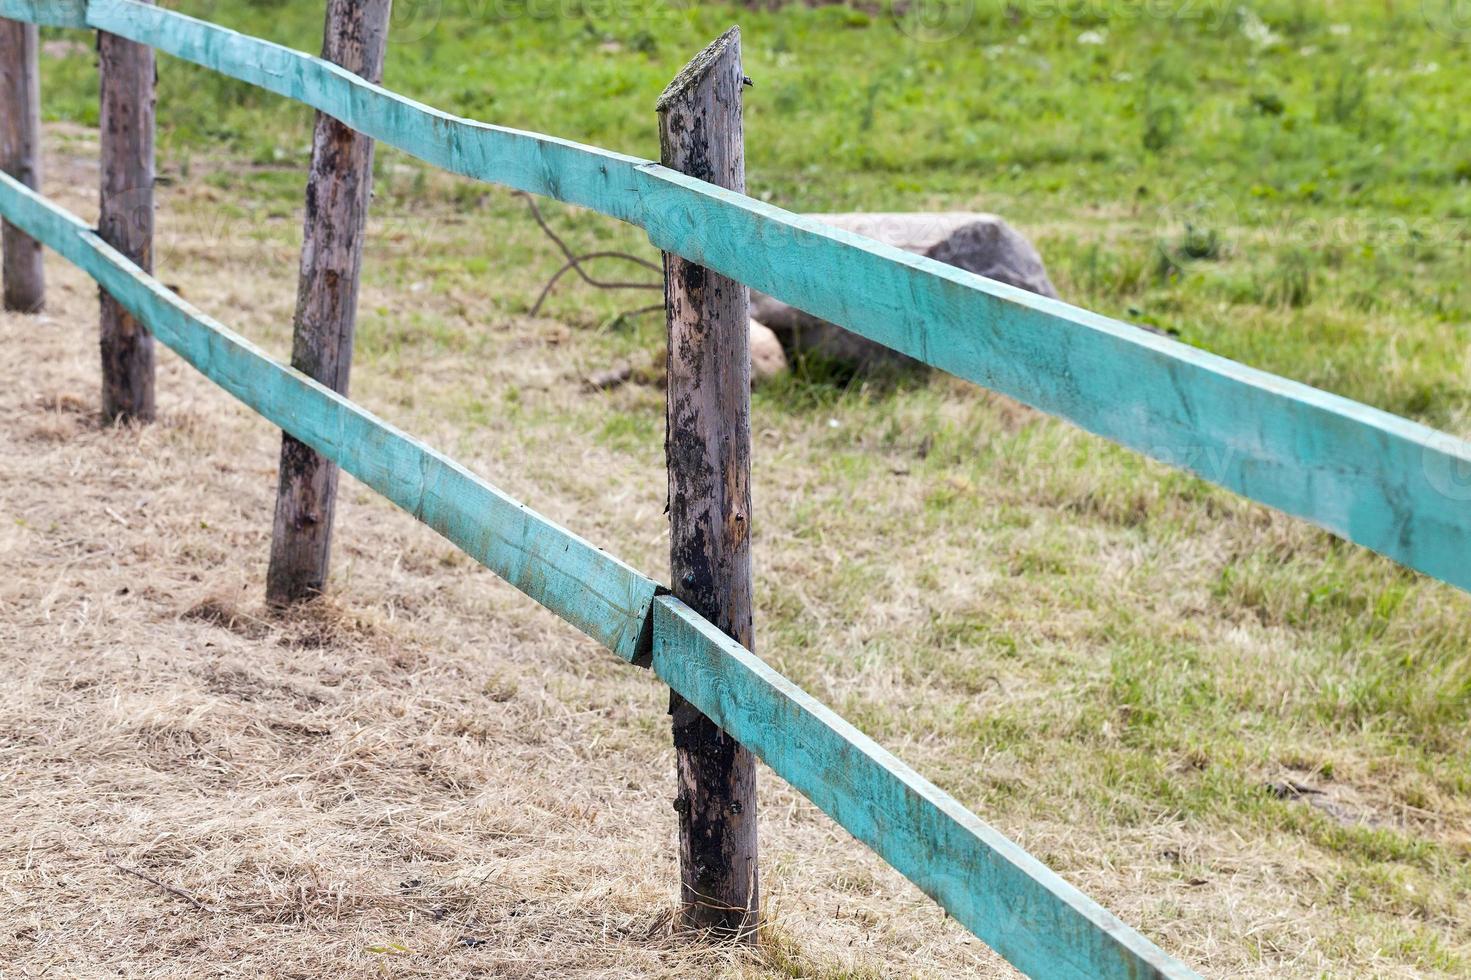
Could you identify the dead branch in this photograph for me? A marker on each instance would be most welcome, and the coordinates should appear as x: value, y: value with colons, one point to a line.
x: 574, y: 262
x: 172, y: 890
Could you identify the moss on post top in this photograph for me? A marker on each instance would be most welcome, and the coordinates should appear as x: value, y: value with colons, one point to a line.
x: 690, y: 75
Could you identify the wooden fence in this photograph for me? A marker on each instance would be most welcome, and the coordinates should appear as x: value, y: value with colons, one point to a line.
x: 1384, y: 482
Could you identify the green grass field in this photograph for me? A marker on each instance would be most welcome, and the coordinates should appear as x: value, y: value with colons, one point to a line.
x: 1290, y: 186
x: 1110, y: 660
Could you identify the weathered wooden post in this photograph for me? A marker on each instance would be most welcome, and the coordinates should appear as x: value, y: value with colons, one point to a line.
x: 708, y: 449
x: 126, y: 222
x: 20, y: 157
x: 337, y: 194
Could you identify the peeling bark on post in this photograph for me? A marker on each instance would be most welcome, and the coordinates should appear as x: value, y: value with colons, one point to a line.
x: 126, y: 222
x: 337, y: 196
x: 708, y: 448
x: 128, y: 77
x: 20, y: 157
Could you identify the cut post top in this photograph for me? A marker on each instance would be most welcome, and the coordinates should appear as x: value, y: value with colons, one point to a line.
x: 690, y: 75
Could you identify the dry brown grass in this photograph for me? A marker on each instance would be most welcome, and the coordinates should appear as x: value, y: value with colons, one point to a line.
x: 426, y: 775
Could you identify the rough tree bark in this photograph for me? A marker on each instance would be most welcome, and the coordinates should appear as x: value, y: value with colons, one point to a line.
x: 708, y: 447
x: 337, y: 196
x: 126, y: 222
x: 20, y: 157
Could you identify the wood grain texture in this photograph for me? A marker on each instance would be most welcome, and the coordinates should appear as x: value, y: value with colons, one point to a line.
x: 127, y: 77
x: 593, y: 591
x: 1006, y: 897
x: 23, y: 275
x: 1389, y: 484
x: 598, y: 594
x: 584, y: 586
x: 339, y: 187
x: 47, y: 13
x: 1040, y: 923
x: 603, y: 181
x: 708, y: 451
x: 1392, y: 485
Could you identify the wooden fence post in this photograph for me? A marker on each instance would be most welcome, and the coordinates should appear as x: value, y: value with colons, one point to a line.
x: 337, y: 195
x: 708, y: 450
x: 126, y: 222
x: 20, y: 156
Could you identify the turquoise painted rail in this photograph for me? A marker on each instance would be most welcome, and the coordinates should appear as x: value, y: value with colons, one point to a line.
x: 1387, y: 483
x: 1041, y: 924
x: 1397, y: 487
x: 585, y: 586
x: 1006, y: 897
x: 47, y: 13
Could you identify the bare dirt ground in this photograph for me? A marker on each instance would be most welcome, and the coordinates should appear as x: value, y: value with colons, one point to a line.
x: 426, y: 775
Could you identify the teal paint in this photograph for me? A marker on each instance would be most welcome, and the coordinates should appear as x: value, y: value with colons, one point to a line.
x: 1389, y: 484
x: 1041, y: 924
x: 47, y: 13
x: 593, y: 591
x: 582, y: 175
x: 1384, y: 482
x: 1010, y: 900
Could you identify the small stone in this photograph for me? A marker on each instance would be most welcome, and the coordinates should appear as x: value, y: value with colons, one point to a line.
x: 767, y: 357
x: 611, y: 378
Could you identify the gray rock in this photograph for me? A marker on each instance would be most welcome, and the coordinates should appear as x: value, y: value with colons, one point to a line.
x: 979, y: 243
x: 767, y: 357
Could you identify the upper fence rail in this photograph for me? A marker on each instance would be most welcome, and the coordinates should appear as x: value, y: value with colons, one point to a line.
x: 1384, y: 482
x: 1002, y: 894
x: 586, y: 586
x: 47, y: 13
x: 1006, y: 897
x: 1389, y: 484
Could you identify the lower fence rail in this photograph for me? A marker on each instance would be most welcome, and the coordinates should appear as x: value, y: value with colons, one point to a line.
x: 1007, y: 898
x: 1041, y: 924
x: 589, y: 588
